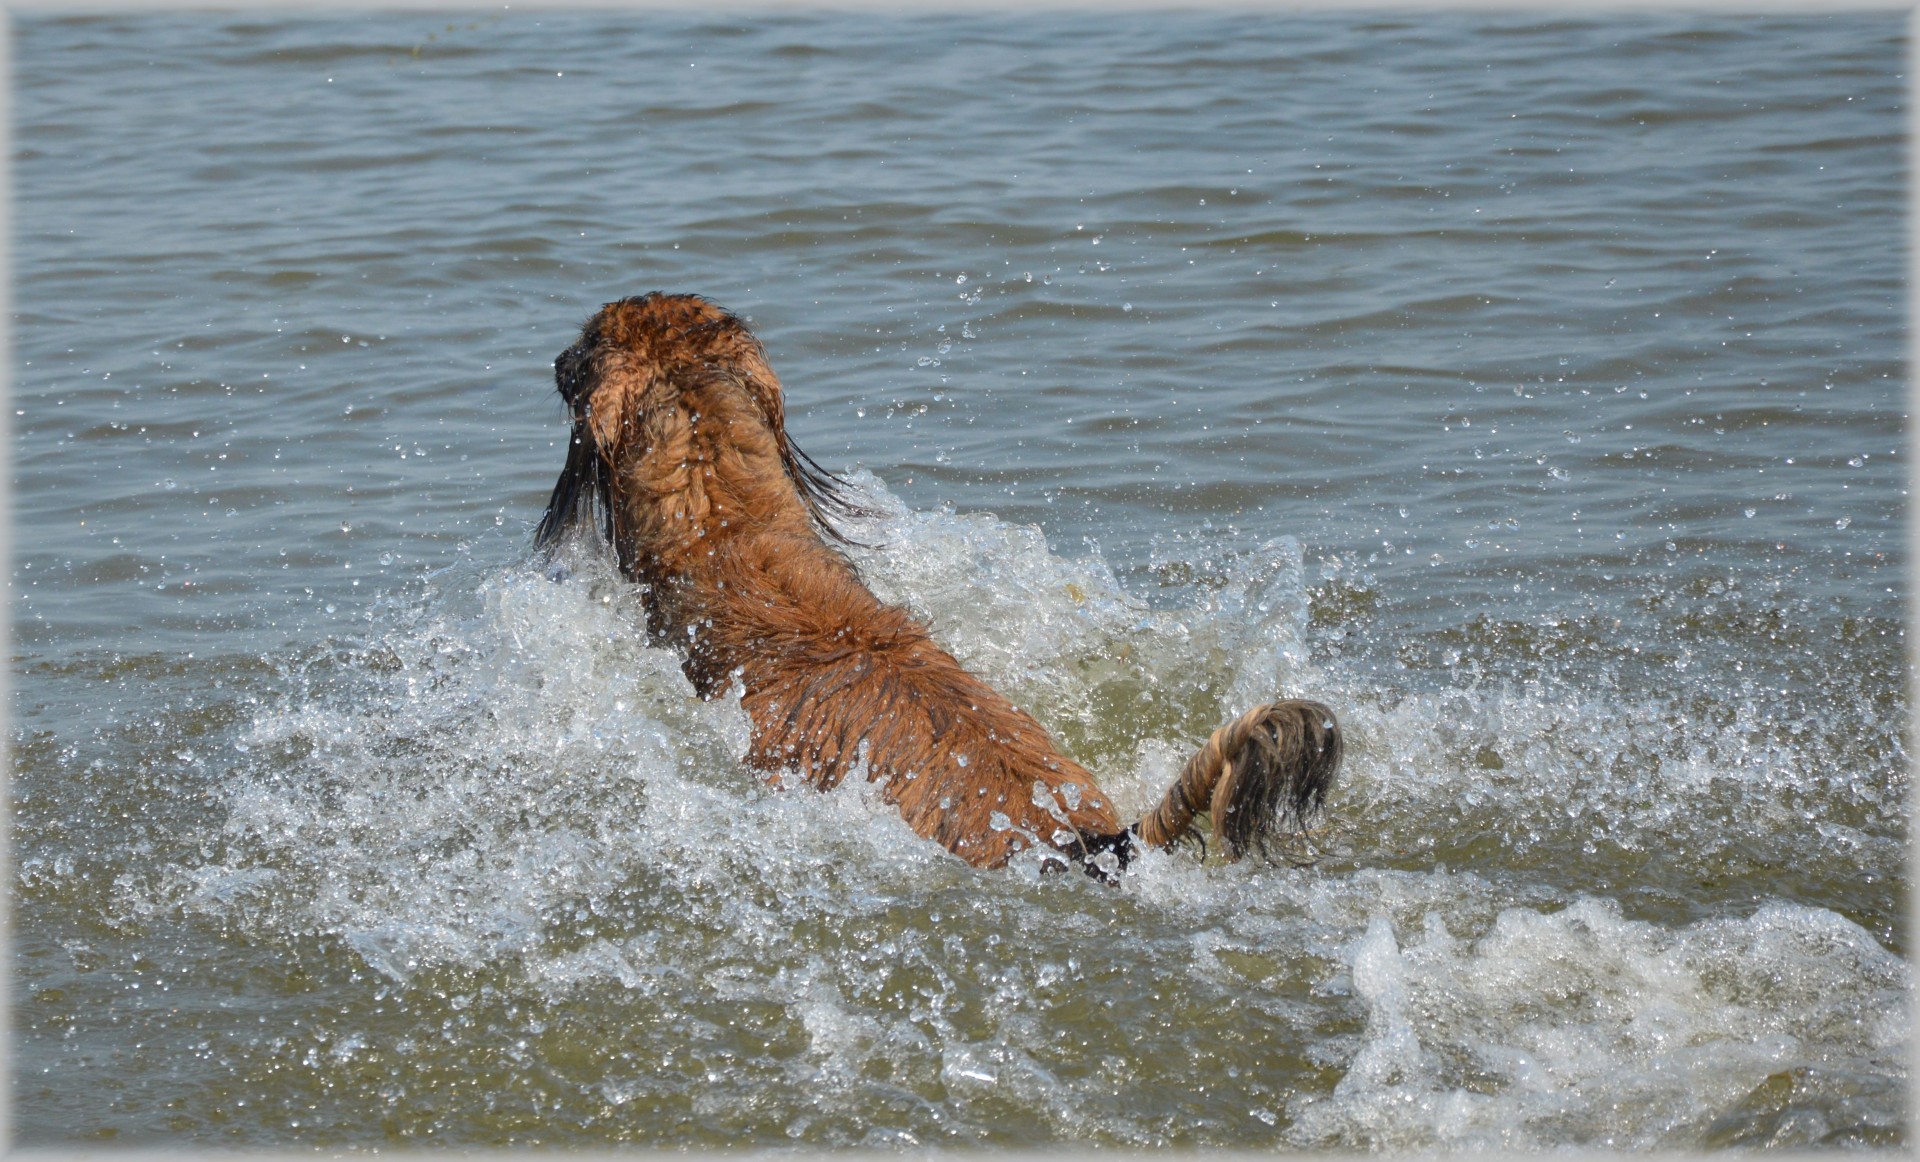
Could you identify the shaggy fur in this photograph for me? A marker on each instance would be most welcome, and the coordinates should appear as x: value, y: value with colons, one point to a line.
x: 680, y: 450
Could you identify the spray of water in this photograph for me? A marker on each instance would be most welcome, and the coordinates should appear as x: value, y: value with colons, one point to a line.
x: 510, y: 817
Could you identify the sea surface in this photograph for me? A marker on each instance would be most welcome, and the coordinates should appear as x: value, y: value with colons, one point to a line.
x: 1529, y: 387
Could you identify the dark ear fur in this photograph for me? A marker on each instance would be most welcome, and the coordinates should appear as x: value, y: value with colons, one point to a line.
x: 827, y: 496
x: 579, y: 494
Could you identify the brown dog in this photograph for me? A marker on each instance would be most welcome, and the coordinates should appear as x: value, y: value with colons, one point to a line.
x: 680, y: 449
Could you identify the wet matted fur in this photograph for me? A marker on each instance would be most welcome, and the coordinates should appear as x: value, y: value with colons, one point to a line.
x: 680, y: 458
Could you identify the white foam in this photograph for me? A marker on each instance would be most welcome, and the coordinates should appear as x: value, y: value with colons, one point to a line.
x: 1579, y: 1025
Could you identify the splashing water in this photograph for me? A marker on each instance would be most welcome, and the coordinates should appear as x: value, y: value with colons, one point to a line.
x: 552, y: 904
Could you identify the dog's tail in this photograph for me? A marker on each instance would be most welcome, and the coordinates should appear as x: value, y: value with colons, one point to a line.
x: 1265, y: 773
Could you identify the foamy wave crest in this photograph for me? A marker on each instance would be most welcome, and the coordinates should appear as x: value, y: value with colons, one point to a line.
x: 1579, y: 1025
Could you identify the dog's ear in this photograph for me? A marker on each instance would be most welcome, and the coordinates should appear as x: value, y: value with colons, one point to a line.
x: 578, y: 494
x: 828, y: 498
x: 582, y: 487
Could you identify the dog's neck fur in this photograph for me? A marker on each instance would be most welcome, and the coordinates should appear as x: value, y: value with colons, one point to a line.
x: 736, y: 576
x: 706, y: 510
x: 705, y: 472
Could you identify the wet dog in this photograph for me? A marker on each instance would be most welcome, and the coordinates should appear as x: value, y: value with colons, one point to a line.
x: 680, y: 459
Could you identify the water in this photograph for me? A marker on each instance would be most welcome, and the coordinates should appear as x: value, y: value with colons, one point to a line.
x: 1529, y: 388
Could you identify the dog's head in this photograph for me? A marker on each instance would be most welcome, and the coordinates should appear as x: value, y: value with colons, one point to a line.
x: 639, y: 352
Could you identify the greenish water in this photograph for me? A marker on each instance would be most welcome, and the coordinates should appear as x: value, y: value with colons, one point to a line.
x: 1529, y: 388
